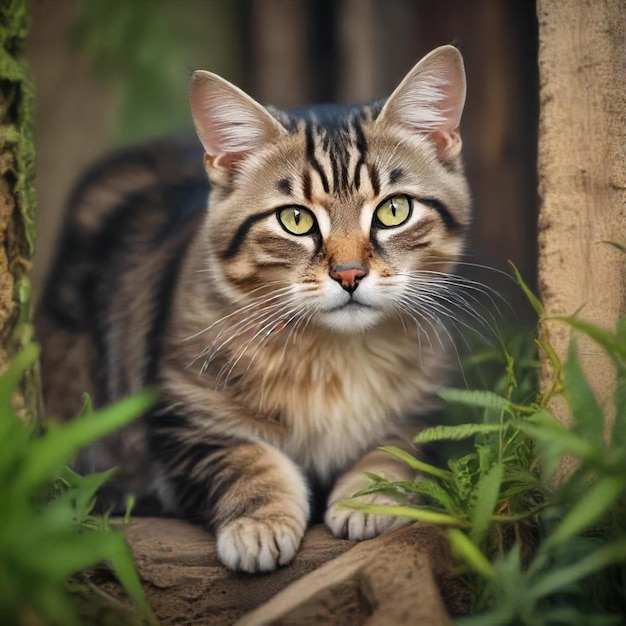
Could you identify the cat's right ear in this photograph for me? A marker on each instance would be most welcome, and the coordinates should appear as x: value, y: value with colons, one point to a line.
x: 229, y: 123
x: 430, y: 100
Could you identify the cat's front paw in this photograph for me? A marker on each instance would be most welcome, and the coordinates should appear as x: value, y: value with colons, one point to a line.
x: 251, y: 545
x: 347, y: 523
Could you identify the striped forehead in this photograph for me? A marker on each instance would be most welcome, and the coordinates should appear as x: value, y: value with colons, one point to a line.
x: 336, y: 159
x: 335, y: 171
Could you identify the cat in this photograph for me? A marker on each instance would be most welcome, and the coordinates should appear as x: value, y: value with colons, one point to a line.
x: 292, y: 327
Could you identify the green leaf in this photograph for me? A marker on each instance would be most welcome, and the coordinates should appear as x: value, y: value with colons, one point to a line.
x: 456, y: 433
x: 558, y: 579
x: 588, y: 509
x: 393, y: 490
x: 85, y: 493
x: 605, y: 338
x: 569, y: 615
x: 120, y: 558
x: 485, y: 500
x: 60, y: 556
x: 561, y: 441
x: 87, y: 408
x: 9, y: 380
x: 414, y: 463
x: 587, y: 415
x: 532, y: 298
x: 557, y: 368
x: 617, y: 245
x: 403, y: 488
x: 374, y: 478
x: 464, y: 548
x: 61, y: 442
x: 478, y: 399
x: 442, y: 496
x: 618, y: 435
x: 409, y: 512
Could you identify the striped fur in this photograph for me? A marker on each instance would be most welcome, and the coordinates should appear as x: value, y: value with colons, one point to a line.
x: 283, y: 359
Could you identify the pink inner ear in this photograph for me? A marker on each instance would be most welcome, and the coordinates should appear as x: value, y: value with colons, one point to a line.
x: 448, y: 143
x: 229, y: 123
x: 226, y: 160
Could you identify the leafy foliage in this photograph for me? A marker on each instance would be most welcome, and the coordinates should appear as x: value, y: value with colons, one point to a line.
x: 534, y: 551
x: 46, y: 531
x: 17, y: 173
x: 146, y: 51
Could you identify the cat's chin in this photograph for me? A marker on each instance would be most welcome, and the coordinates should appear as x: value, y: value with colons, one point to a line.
x: 349, y: 319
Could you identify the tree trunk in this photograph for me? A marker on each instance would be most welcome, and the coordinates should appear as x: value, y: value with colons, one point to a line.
x: 16, y: 197
x: 582, y: 175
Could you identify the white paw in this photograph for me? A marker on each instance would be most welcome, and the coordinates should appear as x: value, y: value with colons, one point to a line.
x: 252, y: 545
x: 356, y: 525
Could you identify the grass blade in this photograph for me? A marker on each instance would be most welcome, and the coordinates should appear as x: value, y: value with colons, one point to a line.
x: 487, y: 494
x: 60, y: 443
x: 20, y: 363
x: 587, y: 510
x: 618, y: 435
x: 532, y: 298
x: 586, y: 413
x: 560, y: 440
x: 465, y: 549
x: 557, y: 580
x: 409, y: 512
x: 414, y: 463
x: 604, y: 338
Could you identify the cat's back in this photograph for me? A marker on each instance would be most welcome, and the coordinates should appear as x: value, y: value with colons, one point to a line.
x: 127, y: 223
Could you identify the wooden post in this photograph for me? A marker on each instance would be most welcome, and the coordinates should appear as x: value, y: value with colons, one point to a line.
x: 582, y: 174
x: 278, y: 46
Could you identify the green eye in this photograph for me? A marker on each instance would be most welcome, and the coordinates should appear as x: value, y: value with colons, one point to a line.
x: 393, y: 211
x: 296, y: 220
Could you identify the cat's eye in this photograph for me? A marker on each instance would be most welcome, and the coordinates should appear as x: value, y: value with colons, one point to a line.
x: 297, y: 220
x: 393, y: 211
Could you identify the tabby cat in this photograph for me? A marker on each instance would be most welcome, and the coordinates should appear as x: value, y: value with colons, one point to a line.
x: 292, y: 327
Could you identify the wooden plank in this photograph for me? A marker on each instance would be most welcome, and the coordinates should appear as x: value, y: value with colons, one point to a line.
x: 582, y: 174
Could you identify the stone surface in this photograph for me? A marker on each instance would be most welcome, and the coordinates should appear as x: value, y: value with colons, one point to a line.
x: 388, y: 581
x: 392, y: 580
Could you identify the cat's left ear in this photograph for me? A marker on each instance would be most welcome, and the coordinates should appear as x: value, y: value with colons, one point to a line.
x: 430, y: 100
x: 229, y: 123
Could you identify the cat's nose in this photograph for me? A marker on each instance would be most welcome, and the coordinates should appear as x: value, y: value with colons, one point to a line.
x: 349, y: 276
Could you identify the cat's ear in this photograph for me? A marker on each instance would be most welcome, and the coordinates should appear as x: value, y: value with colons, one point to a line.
x: 229, y: 123
x: 430, y: 100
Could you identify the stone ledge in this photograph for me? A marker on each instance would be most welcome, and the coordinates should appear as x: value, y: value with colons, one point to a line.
x: 393, y: 580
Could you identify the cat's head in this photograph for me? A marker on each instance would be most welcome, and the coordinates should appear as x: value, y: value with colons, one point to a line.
x: 343, y: 216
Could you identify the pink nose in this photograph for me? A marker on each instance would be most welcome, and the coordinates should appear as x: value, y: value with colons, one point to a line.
x: 348, y: 276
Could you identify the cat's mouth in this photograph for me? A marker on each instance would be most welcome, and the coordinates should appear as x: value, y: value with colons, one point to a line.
x: 353, y: 302
x: 350, y: 316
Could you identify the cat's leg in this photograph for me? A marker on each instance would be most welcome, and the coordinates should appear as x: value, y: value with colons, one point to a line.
x: 358, y: 525
x: 249, y: 493
x: 261, y: 511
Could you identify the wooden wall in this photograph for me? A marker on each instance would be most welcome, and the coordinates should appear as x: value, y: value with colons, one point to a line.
x: 290, y: 52
x: 359, y: 49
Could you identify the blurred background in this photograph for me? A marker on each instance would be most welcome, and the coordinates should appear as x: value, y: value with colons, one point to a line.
x: 114, y: 72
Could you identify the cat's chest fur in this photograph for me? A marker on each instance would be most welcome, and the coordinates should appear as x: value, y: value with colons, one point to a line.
x: 336, y: 396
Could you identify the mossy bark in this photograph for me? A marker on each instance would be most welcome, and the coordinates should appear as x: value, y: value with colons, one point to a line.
x: 582, y: 178
x: 17, y: 200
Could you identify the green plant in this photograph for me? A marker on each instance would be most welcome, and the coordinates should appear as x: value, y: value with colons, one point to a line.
x: 46, y: 531
x: 145, y: 52
x: 534, y: 551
